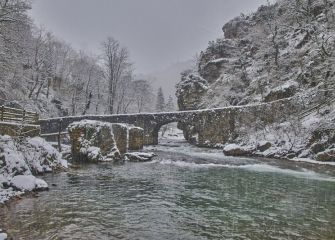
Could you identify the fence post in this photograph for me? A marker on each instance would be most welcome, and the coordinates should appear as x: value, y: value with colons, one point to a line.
x: 36, y: 117
x: 2, y: 112
x: 59, y: 134
x: 23, y: 115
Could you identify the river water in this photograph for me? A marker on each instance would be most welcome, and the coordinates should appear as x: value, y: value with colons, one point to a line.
x: 185, y: 193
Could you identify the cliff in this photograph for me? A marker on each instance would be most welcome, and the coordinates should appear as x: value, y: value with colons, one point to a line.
x: 282, y: 51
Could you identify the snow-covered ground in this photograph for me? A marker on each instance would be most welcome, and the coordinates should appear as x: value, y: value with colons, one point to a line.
x: 20, y: 159
x: 173, y: 140
x: 3, y: 236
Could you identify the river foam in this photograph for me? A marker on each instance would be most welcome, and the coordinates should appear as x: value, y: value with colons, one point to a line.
x: 258, y: 167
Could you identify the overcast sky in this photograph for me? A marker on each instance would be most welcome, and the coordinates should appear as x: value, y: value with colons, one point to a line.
x: 156, y: 32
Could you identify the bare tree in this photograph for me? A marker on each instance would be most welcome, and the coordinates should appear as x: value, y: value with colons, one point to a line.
x: 116, y: 63
x: 13, y: 11
x: 142, y: 94
x: 124, y: 95
x: 272, y: 27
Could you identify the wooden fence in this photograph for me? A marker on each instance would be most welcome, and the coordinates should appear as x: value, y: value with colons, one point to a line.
x: 58, y: 134
x: 8, y: 114
x: 316, y: 108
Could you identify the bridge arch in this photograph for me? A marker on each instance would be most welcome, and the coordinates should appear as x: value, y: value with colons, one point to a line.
x: 210, y: 126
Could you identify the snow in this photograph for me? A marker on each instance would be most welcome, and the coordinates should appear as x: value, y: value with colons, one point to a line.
x: 3, y: 236
x: 287, y: 85
x: 42, y: 155
x: 64, y: 163
x: 28, y: 183
x: 92, y: 152
x: 21, y: 158
x: 89, y: 123
x: 219, y: 60
x: 6, y: 194
x: 142, y: 154
x: 231, y: 147
x: 139, y: 156
x: 311, y: 121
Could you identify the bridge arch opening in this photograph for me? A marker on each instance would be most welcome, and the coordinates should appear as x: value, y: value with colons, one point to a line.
x: 170, y: 133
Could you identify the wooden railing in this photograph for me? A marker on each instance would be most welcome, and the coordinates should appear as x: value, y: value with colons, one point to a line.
x: 15, y: 115
x: 316, y: 108
x: 58, y: 134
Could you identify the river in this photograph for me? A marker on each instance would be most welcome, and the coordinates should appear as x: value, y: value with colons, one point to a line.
x: 184, y: 193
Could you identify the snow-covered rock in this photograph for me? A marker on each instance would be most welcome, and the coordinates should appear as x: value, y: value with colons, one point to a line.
x: 263, y: 146
x: 190, y: 90
x: 94, y: 141
x: 3, y: 236
x: 42, y: 156
x: 20, y: 159
x: 236, y: 150
x: 28, y: 156
x: 284, y: 91
x: 326, y: 156
x: 251, y: 65
x: 139, y: 156
x: 28, y: 183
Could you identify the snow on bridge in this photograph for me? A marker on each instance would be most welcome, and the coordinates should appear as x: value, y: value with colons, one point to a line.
x: 208, y: 126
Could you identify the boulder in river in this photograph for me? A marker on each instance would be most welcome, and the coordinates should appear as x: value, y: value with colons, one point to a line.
x: 136, y: 138
x: 139, y: 156
x: 263, y: 146
x: 326, y: 156
x: 120, y: 132
x: 28, y: 183
x: 93, y: 141
x: 235, y: 150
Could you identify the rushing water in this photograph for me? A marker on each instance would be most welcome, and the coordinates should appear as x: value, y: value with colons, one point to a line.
x: 185, y: 193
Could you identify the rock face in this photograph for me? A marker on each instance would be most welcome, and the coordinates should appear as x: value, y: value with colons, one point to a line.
x: 210, y: 128
x: 263, y: 146
x: 261, y: 61
x: 326, y: 156
x: 93, y: 141
x: 136, y: 138
x: 190, y: 90
x: 120, y: 132
x: 282, y: 92
x: 238, y: 27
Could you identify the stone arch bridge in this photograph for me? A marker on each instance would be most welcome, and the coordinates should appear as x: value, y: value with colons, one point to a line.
x: 207, y: 127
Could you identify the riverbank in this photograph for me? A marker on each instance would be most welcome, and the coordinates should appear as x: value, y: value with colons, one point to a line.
x: 21, y: 159
x: 259, y: 150
x: 181, y: 146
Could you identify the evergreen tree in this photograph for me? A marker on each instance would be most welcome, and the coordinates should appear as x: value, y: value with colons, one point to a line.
x: 160, y: 104
x: 170, y: 107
